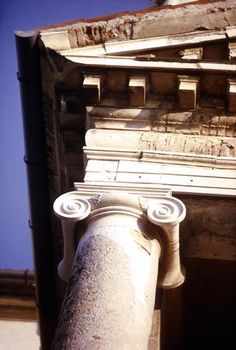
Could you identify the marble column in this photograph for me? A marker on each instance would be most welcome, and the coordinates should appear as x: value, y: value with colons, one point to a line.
x: 112, y: 279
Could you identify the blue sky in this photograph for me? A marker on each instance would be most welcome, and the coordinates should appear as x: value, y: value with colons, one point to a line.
x: 15, y: 238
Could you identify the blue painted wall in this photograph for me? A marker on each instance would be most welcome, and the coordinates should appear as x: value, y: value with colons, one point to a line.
x: 15, y: 238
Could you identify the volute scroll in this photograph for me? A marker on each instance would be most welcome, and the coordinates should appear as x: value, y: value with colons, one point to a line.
x: 70, y: 207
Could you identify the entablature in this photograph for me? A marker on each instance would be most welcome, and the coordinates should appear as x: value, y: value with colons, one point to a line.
x: 158, y: 92
x: 183, y: 173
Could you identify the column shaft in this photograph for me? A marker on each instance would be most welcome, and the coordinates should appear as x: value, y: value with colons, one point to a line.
x: 110, y: 297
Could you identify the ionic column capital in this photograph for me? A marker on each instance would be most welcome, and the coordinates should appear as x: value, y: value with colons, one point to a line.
x: 165, y: 212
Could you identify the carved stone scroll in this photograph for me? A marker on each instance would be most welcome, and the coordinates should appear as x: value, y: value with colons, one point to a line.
x: 167, y: 213
x: 70, y: 208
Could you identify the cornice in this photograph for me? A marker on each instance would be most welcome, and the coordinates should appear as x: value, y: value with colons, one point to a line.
x: 130, y: 46
x: 127, y: 62
x: 209, y: 15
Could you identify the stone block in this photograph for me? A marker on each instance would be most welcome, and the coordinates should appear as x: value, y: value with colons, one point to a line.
x: 188, y: 91
x: 92, y: 87
x: 137, y: 90
x: 231, y: 95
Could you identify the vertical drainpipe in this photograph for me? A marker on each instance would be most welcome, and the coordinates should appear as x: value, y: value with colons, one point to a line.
x: 29, y: 76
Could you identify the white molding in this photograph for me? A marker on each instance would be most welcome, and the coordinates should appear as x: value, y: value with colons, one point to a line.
x: 132, y: 62
x: 160, y: 157
x: 146, y: 190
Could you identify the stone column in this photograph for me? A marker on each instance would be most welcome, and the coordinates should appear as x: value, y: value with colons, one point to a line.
x: 111, y: 291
